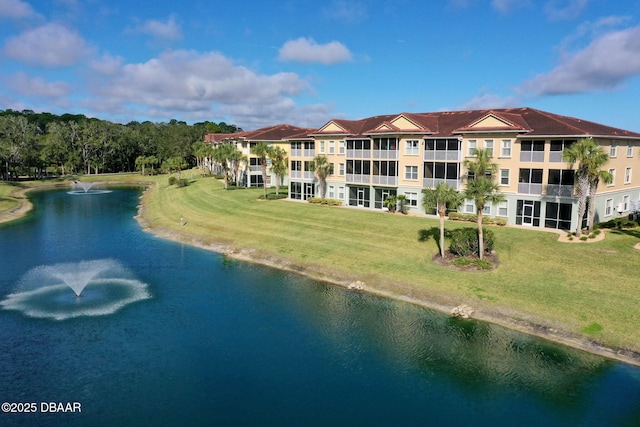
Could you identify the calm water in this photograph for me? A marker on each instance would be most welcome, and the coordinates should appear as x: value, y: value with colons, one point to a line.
x: 222, y: 342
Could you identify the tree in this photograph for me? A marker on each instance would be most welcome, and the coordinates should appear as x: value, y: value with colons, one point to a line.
x: 441, y: 198
x: 322, y: 169
x: 261, y: 149
x: 174, y: 164
x: 390, y: 202
x: 279, y: 164
x: 590, y: 157
x: 481, y: 188
x: 225, y: 155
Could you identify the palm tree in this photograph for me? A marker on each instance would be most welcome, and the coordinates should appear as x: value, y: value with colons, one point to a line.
x: 481, y: 188
x: 222, y: 154
x: 441, y: 198
x: 590, y: 157
x: 322, y: 168
x: 595, y: 176
x: 261, y: 149
x: 279, y: 164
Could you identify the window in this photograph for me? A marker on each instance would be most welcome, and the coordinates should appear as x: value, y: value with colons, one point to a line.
x: 341, y: 169
x: 341, y: 147
x: 486, y: 210
x: 412, y: 147
x: 627, y: 175
x: 296, y: 191
x: 560, y: 182
x: 412, y: 199
x: 321, y: 147
x: 441, y: 170
x: 625, y: 203
x: 530, y: 181
x: 532, y: 151
x: 608, y: 207
x: 341, y: 193
x: 629, y: 150
x: 613, y: 151
x: 469, y: 206
x: 332, y: 192
x: 612, y: 172
x: 472, y: 145
x: 332, y: 147
x: 504, y: 176
x: 488, y: 145
x: 557, y: 147
x: 411, y: 173
x: 503, y: 209
x: 505, y: 150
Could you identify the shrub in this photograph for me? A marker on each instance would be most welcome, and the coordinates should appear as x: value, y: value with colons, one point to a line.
x: 172, y: 180
x: 619, y: 223
x: 182, y: 183
x: 324, y: 201
x: 458, y: 216
x: 464, y: 241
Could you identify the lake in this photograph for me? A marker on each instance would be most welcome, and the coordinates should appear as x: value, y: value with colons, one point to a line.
x: 167, y: 334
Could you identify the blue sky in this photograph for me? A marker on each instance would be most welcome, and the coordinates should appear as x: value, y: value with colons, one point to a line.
x: 256, y: 64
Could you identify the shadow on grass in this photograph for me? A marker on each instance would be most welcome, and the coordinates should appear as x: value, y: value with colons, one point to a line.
x: 425, y: 235
x: 633, y: 232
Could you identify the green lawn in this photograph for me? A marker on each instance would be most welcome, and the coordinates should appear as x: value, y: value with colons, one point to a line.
x: 583, y: 288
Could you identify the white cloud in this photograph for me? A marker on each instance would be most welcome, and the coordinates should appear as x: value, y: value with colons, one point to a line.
x: 606, y: 63
x: 345, y: 11
x: 195, y: 85
x: 16, y: 9
x: 486, y: 101
x: 168, y: 30
x: 557, y: 10
x: 51, y: 45
x: 506, y: 6
x: 25, y: 85
x: 308, y: 51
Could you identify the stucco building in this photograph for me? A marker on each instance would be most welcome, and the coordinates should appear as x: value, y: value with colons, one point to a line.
x: 404, y: 153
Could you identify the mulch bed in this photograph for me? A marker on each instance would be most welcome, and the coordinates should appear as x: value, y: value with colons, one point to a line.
x: 449, y: 258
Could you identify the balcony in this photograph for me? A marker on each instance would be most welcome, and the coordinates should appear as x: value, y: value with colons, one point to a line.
x: 442, y: 155
x: 358, y: 154
x: 555, y: 157
x: 385, y: 180
x: 560, y: 190
x: 295, y: 152
x: 385, y: 154
x: 532, y: 156
x: 432, y: 182
x: 353, y: 178
x: 529, y: 188
x: 309, y: 152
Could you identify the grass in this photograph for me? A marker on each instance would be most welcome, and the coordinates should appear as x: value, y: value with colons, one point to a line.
x: 568, y: 286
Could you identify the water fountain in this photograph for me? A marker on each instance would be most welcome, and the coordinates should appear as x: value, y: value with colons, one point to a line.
x: 104, y: 285
x: 86, y: 188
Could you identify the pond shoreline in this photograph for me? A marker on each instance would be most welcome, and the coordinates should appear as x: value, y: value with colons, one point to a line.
x: 504, y: 316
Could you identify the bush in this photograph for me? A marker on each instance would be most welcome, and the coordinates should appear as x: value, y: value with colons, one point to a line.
x: 619, y: 223
x: 324, y: 201
x: 182, y: 183
x: 172, y: 180
x: 458, y: 216
x: 464, y: 241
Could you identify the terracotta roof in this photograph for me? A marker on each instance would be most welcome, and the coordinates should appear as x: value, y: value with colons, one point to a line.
x: 282, y: 132
x: 527, y: 122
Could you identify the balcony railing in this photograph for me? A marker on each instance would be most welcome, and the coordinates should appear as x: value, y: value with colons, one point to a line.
x: 529, y: 188
x: 442, y: 155
x: 532, y: 156
x: 385, y: 180
x: 296, y: 153
x: 385, y: 154
x: 555, y: 157
x: 309, y: 152
x: 560, y: 190
x: 358, y: 178
x: 295, y: 174
x: 255, y: 168
x: 359, y: 154
x: 432, y: 182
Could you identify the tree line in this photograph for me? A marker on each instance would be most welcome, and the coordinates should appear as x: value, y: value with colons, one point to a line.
x: 40, y: 144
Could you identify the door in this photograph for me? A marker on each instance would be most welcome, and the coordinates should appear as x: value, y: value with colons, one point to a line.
x: 527, y: 213
x: 360, y: 197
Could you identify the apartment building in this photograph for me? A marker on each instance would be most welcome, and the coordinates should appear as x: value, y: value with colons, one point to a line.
x: 404, y: 153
